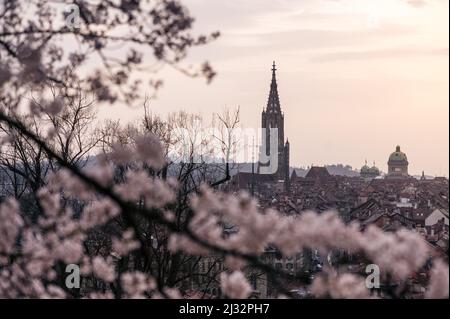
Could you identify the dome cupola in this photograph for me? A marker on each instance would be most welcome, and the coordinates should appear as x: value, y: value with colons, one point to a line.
x: 398, y: 156
x: 398, y: 164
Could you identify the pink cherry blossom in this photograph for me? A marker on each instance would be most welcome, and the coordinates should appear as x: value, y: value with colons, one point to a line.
x: 55, y: 107
x: 121, y: 154
x: 149, y: 150
x: 235, y: 285
x: 439, y: 282
x: 126, y: 244
x: 345, y: 286
x: 103, y: 269
x: 10, y: 225
x: 98, y: 213
x: 135, y: 284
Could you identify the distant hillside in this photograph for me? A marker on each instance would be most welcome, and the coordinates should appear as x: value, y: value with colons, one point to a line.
x: 334, y: 169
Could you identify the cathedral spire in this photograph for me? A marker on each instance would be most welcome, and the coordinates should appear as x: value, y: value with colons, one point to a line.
x: 273, y: 118
x: 273, y: 103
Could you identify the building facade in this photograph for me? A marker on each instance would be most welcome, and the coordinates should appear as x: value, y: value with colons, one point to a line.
x: 397, y: 164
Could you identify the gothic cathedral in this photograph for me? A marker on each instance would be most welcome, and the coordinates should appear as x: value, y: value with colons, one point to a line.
x: 273, y: 117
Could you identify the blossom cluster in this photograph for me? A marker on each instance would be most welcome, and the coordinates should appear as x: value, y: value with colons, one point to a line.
x: 230, y: 224
x: 345, y: 286
x: 145, y: 148
x: 235, y: 285
x: 235, y: 223
x: 32, y: 253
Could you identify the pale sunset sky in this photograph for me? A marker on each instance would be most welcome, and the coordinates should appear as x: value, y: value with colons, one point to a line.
x: 355, y: 77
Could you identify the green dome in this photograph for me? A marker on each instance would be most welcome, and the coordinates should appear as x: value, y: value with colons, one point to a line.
x: 398, y: 156
x: 365, y: 169
x: 369, y: 172
x: 375, y: 170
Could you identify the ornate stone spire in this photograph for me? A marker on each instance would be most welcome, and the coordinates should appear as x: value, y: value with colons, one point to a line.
x: 273, y: 103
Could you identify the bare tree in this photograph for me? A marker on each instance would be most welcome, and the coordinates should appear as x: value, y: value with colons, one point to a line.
x: 140, y: 228
x: 70, y: 133
x: 187, y: 148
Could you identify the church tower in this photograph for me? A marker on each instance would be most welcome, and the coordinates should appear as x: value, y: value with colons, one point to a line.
x: 273, y: 117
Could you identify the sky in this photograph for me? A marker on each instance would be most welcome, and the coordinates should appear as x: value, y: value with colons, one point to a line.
x: 355, y: 77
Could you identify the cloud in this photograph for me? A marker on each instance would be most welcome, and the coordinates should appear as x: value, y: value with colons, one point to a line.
x: 301, y: 42
x: 379, y: 54
x: 417, y: 3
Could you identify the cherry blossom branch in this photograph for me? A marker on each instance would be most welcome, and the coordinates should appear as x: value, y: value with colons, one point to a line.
x: 127, y: 208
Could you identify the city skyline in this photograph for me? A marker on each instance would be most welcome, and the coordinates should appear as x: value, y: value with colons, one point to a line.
x: 203, y: 152
x: 356, y: 78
